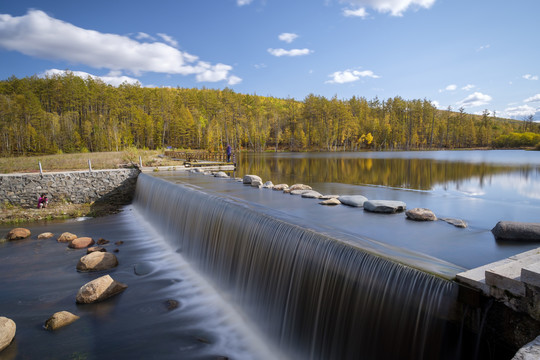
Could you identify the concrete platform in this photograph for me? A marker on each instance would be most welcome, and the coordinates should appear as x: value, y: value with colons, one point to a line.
x: 515, y: 281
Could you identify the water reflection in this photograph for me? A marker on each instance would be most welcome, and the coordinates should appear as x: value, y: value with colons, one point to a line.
x: 416, y: 171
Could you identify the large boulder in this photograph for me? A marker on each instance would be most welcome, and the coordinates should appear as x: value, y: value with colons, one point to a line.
x: 97, y: 261
x: 384, y: 206
x: 99, y: 289
x: 256, y: 183
x: 45, y: 235
x: 60, y: 319
x: 66, y: 237
x: 280, y: 187
x: 18, y: 234
x: 353, y: 200
x: 7, y: 332
x: 81, y: 243
x: 420, y: 214
x: 516, y: 231
x: 248, y: 179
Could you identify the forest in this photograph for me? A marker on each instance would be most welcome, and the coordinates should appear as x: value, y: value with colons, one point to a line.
x: 67, y: 114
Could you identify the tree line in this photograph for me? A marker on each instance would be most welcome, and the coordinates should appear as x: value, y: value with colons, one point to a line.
x: 66, y: 113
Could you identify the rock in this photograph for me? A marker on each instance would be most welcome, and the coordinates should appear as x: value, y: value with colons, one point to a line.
x: 171, y: 304
x: 95, y: 249
x: 102, y: 241
x: 420, y: 214
x: 256, y: 183
x: 221, y: 174
x: 298, y: 192
x: 530, y: 351
x: 81, y: 243
x: 327, y: 197
x: 384, y: 206
x: 119, y: 242
x: 45, y: 235
x: 280, y: 187
x: 144, y: 268
x: 298, y: 187
x: 311, y: 194
x: 353, y: 200
x: 516, y: 231
x: 268, y: 185
x: 456, y: 222
x: 7, y: 332
x: 97, y: 261
x: 67, y: 237
x: 60, y: 319
x: 18, y: 234
x: 331, y: 201
x: 248, y: 179
x: 99, y: 289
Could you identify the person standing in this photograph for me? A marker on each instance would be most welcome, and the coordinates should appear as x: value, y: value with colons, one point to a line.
x: 229, y: 151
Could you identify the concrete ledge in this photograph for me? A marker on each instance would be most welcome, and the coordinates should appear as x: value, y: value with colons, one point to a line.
x: 530, y: 275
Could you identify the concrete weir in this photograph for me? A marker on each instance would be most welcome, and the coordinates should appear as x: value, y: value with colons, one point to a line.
x: 514, y: 282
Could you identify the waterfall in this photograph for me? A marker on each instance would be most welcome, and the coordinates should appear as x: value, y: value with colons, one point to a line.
x: 313, y: 296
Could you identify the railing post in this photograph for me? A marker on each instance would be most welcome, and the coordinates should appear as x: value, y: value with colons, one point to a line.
x: 89, y: 165
x: 40, y: 169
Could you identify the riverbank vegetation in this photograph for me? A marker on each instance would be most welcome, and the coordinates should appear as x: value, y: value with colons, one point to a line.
x: 68, y: 114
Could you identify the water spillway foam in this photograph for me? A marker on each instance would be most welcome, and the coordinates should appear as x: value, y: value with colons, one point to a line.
x: 312, y: 295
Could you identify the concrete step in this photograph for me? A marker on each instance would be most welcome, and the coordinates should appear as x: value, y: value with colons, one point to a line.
x: 530, y: 274
x: 507, y: 277
x: 476, y: 277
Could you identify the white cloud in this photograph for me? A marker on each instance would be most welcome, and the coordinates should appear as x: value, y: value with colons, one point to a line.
x: 475, y: 99
x: 287, y: 37
x: 243, y: 2
x: 113, y: 78
x: 233, y: 80
x: 341, y: 77
x: 168, y: 39
x: 394, y: 7
x: 144, y: 36
x: 450, y: 87
x: 530, y: 77
x: 292, y: 52
x: 468, y: 87
x: 534, y: 98
x: 360, y: 12
x: 37, y: 34
x: 436, y: 104
x: 520, y: 111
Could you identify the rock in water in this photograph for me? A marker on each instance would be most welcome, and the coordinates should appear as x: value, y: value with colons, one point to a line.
x: 97, y: 261
x: 298, y: 187
x: 311, y: 194
x: 280, y: 187
x: 353, y: 200
x: 384, y: 206
x: 517, y: 231
x: 221, y: 174
x: 7, y: 332
x: 248, y: 179
x: 18, y: 234
x: 81, y: 243
x: 45, y: 235
x: 60, y: 319
x: 420, y: 214
x: 67, y: 237
x: 99, y: 289
x: 331, y: 201
x: 456, y: 222
x: 268, y: 185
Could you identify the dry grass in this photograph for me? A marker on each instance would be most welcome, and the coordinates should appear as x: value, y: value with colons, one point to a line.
x: 66, y: 162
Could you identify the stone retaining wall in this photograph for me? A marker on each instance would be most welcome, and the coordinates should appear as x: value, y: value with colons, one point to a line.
x: 111, y: 186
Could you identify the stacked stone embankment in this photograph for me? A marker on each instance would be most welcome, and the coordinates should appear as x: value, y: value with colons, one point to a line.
x: 112, y: 186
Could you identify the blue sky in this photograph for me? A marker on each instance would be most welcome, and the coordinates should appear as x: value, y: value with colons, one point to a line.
x: 476, y: 54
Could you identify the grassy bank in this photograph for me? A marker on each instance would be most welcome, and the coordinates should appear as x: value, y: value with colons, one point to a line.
x: 79, y: 161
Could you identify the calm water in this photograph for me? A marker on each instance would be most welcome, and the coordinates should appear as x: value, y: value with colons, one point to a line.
x: 479, y: 187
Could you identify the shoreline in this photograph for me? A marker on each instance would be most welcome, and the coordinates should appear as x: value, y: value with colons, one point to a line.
x: 16, y: 215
